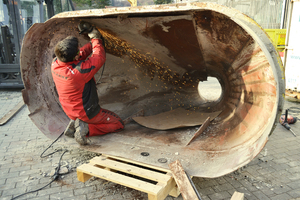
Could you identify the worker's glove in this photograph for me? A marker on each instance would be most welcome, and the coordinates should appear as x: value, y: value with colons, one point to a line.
x: 95, y: 34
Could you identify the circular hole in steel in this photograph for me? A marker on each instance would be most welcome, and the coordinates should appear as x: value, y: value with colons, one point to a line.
x: 162, y: 160
x: 210, y: 90
x: 145, y: 154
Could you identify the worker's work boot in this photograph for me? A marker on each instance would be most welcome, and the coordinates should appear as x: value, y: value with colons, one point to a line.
x: 82, y: 130
x: 70, y: 130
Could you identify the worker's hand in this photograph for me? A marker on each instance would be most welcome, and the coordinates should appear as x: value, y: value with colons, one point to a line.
x: 95, y: 34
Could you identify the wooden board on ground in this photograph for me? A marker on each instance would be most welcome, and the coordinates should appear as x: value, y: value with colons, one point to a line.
x: 237, y: 196
x: 183, y: 183
x: 175, y: 119
x: 11, y: 113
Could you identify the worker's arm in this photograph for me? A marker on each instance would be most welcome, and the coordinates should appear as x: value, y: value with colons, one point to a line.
x: 85, y: 51
x: 91, y: 66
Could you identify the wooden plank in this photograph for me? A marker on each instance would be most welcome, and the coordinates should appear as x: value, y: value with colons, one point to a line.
x: 166, y: 188
x: 164, y: 192
x: 138, y: 163
x: 200, y: 130
x: 175, y: 192
x: 183, y: 183
x: 11, y: 113
x: 152, y: 197
x: 237, y: 196
x: 82, y: 176
x: 119, y: 179
x: 130, y: 169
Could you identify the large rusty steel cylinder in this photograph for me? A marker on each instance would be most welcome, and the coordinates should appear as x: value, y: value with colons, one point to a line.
x: 156, y: 58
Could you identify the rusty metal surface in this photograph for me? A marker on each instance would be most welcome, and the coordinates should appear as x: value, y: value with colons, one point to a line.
x: 176, y: 118
x: 156, y: 56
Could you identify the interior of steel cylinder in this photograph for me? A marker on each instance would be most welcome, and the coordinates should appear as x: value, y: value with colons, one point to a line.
x: 155, y: 62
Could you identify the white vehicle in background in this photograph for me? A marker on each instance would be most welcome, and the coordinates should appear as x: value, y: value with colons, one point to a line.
x: 292, y: 51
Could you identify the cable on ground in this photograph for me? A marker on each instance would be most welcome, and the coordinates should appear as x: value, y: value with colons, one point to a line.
x: 56, y: 174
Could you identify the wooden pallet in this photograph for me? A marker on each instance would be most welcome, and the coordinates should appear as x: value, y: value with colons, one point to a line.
x: 157, y: 182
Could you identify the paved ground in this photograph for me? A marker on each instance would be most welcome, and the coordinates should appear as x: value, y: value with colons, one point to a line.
x: 274, y: 174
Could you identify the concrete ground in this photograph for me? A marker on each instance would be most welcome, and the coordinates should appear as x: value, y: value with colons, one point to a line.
x: 273, y: 174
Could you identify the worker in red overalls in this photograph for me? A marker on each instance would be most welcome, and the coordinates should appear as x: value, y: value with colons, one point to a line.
x: 73, y: 74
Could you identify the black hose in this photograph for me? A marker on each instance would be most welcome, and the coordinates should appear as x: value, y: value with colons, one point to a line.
x: 50, y: 146
x: 56, y: 174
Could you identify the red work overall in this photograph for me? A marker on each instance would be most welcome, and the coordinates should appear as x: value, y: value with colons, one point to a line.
x: 76, y: 87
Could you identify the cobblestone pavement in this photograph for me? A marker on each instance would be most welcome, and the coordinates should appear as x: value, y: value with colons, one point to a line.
x: 273, y: 174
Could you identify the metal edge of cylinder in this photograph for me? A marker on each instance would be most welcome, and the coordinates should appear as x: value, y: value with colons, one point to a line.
x: 260, y: 36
